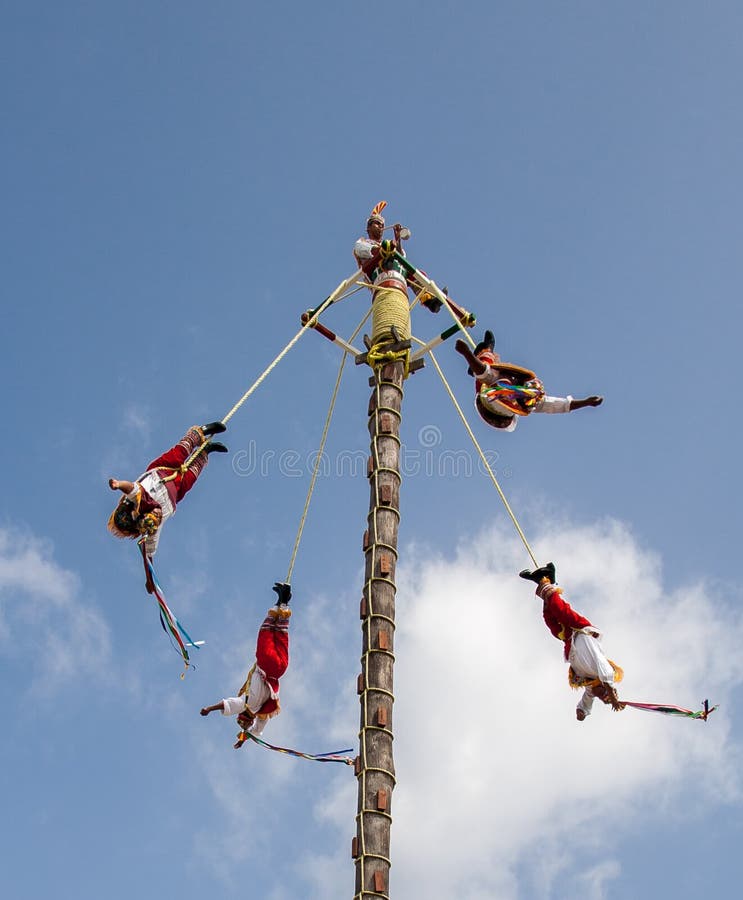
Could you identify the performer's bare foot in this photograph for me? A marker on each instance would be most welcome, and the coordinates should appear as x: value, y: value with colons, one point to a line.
x: 607, y: 693
x: 580, y: 715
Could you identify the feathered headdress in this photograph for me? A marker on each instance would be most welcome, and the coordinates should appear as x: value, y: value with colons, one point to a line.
x: 376, y: 213
x: 123, y: 521
x: 126, y: 522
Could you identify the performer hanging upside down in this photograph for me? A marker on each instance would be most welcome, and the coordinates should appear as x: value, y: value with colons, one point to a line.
x: 153, y: 497
x: 589, y: 667
x: 258, y: 699
x: 504, y: 391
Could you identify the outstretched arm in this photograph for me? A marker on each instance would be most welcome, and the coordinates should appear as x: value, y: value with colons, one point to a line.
x: 126, y: 487
x: 588, y: 401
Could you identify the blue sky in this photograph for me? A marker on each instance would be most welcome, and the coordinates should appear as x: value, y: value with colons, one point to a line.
x: 180, y: 181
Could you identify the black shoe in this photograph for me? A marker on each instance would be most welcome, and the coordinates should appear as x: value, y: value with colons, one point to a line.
x: 487, y: 343
x: 537, y: 575
x: 433, y: 303
x: 284, y: 591
x: 213, y: 428
x: 216, y: 447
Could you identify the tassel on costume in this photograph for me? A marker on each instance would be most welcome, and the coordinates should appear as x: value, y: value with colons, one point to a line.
x: 576, y: 681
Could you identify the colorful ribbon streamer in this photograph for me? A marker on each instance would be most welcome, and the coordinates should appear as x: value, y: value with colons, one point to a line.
x: 169, y: 622
x: 668, y: 710
x: 336, y: 756
x: 520, y: 399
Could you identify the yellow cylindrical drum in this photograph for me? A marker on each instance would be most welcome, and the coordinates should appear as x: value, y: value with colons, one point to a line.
x: 390, y: 307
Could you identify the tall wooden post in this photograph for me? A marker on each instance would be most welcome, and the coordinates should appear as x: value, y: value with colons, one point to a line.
x: 375, y: 768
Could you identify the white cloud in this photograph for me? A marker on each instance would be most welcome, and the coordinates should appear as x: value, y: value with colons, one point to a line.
x: 42, y: 617
x: 594, y: 882
x: 280, y: 786
x: 490, y: 759
x: 137, y: 419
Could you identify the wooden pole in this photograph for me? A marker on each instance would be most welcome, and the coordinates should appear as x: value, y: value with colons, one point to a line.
x: 375, y: 768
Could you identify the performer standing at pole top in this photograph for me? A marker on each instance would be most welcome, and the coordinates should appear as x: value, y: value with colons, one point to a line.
x: 153, y: 497
x: 589, y: 667
x: 367, y: 252
x: 504, y: 391
x: 377, y: 260
x: 258, y: 699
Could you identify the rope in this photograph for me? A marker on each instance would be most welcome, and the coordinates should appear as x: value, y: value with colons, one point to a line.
x: 457, y: 321
x: 483, y: 458
x: 390, y: 310
x: 430, y: 286
x: 323, y: 439
x: 316, y: 468
x: 359, y: 285
x: 262, y: 377
x: 338, y: 294
x: 378, y: 356
x: 390, y: 316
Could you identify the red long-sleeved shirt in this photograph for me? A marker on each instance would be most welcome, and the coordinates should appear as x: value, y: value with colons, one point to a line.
x: 561, y: 619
